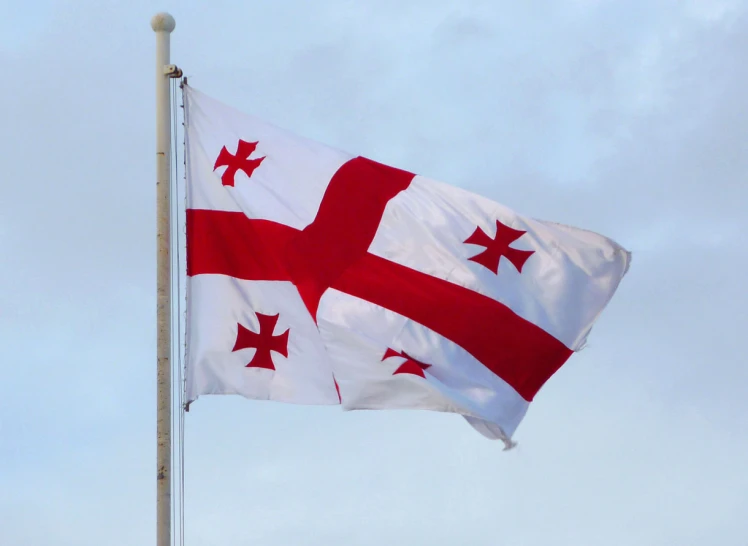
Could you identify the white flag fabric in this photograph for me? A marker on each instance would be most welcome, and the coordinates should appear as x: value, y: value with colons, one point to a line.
x: 318, y: 277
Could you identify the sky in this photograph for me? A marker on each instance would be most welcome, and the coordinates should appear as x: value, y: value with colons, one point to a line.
x: 626, y: 118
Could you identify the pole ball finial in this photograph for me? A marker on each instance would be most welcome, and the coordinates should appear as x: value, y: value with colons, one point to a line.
x: 163, y: 22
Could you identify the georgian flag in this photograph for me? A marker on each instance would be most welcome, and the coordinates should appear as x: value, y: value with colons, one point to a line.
x: 317, y: 277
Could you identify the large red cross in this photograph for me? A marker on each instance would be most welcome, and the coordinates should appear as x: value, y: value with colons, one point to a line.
x: 332, y: 252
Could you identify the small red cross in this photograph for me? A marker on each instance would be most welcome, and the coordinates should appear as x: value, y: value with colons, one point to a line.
x: 238, y: 162
x: 411, y: 365
x: 264, y: 342
x: 498, y: 247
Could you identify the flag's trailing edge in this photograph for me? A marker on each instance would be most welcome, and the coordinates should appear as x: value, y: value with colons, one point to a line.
x: 317, y: 277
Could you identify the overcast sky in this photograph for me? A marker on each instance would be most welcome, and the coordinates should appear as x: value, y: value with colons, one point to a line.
x: 629, y: 118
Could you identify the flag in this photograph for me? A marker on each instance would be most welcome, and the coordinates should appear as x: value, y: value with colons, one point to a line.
x: 319, y: 277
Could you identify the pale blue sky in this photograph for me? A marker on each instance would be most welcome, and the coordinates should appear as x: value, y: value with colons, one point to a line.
x: 629, y: 118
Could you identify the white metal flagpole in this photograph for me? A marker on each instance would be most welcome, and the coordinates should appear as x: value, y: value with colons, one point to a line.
x: 163, y: 24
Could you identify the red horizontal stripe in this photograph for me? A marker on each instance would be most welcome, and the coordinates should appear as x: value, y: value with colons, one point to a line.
x: 518, y: 351
x: 229, y: 243
x: 521, y: 353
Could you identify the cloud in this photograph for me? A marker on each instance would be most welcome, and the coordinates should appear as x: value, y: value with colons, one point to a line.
x: 628, y: 119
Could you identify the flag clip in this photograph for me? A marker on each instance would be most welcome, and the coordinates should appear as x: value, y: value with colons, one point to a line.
x: 173, y: 71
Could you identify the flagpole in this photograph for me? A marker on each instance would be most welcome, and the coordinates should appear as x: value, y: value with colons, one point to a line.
x: 163, y: 24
